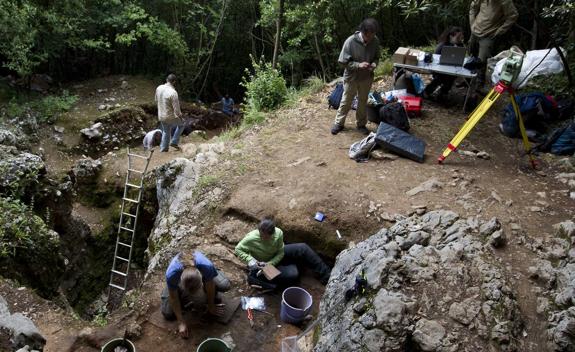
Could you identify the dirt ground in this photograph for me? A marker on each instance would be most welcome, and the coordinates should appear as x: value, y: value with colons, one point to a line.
x: 293, y: 167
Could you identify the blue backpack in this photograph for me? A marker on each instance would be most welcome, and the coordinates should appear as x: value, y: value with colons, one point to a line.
x: 535, y: 108
x: 334, y: 98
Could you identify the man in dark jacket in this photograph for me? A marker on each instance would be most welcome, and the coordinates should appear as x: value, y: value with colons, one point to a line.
x: 359, y: 56
x: 489, y: 19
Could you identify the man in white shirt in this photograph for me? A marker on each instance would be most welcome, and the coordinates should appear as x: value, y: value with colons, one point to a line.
x: 169, y: 114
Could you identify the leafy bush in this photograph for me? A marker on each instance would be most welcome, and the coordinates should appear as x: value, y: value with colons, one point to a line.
x: 52, y: 106
x: 29, y: 250
x: 385, y: 66
x: 265, y: 88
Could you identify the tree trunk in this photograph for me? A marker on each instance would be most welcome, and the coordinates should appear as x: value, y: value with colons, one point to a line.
x: 534, y: 29
x: 323, y: 73
x: 278, y: 33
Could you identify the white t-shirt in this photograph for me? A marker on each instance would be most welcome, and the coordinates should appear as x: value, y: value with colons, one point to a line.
x: 149, y: 139
x: 168, y: 103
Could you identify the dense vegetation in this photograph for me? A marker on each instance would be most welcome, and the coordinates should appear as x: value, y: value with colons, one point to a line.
x: 209, y: 43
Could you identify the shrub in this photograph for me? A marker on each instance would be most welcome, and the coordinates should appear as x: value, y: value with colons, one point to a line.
x: 265, y: 88
x: 29, y: 250
x: 50, y: 107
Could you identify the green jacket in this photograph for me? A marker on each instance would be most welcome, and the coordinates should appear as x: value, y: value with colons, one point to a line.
x: 252, y: 247
x: 354, y: 52
x: 491, y: 18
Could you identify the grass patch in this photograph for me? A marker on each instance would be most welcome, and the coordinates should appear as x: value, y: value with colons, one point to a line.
x: 47, y: 109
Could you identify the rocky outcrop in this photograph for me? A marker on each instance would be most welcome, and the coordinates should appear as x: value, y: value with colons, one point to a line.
x: 184, y: 193
x: 24, y: 332
x: 555, y: 273
x: 433, y: 285
x: 86, y: 170
x: 116, y: 129
x: 19, y: 171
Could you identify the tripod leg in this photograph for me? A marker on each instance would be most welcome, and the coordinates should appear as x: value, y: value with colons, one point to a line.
x: 475, y: 116
x: 519, y: 118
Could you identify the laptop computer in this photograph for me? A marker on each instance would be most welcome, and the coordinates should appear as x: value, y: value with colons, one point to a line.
x: 452, y: 55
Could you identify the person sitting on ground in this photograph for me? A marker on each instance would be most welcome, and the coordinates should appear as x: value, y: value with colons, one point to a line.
x: 185, y: 276
x: 265, y: 246
x: 228, y: 106
x: 152, y: 139
x: 452, y: 36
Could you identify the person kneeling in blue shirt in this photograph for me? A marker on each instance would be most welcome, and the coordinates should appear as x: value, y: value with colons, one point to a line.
x: 185, y: 275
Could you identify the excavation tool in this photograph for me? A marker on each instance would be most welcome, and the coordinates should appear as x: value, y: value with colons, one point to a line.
x: 360, y: 286
x: 137, y: 168
x: 510, y: 71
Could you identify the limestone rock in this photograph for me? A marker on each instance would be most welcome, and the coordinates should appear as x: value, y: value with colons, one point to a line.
x: 23, y: 330
x: 489, y: 227
x: 400, y: 266
x: 428, y: 334
x: 86, y: 170
x: 427, y: 186
x: 498, y: 239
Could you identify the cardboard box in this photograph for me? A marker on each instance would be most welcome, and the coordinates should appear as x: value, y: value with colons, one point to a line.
x: 412, y: 57
x: 399, y: 56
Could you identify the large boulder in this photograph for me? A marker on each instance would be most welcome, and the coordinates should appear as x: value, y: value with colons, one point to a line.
x: 116, y: 129
x: 19, y: 171
x: 433, y: 285
x: 86, y: 170
x: 23, y: 331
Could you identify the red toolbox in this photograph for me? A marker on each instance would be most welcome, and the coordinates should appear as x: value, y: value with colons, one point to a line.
x: 412, y: 105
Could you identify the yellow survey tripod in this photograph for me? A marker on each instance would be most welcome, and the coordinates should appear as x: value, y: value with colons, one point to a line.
x: 509, y: 73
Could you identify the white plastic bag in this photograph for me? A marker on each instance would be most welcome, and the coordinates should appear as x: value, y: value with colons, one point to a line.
x: 552, y: 64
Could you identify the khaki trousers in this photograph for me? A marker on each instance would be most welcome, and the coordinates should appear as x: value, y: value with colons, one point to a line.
x: 350, y: 90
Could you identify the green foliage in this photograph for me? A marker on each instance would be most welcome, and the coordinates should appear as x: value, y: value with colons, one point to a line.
x: 47, y: 109
x: 29, y: 251
x: 50, y: 107
x: 21, y: 230
x: 265, y: 87
x: 385, y: 66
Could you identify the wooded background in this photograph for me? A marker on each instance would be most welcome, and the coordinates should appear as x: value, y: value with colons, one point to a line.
x: 208, y: 43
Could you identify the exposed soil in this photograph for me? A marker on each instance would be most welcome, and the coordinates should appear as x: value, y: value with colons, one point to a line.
x: 293, y: 167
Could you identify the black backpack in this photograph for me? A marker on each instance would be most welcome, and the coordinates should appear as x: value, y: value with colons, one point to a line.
x: 334, y: 98
x: 395, y: 115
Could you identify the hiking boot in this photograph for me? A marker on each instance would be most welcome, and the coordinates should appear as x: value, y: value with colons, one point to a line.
x: 363, y: 130
x: 336, y: 129
x: 176, y: 147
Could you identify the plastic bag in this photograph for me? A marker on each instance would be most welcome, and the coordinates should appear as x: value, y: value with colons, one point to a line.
x: 550, y: 65
x: 256, y: 303
x: 359, y: 151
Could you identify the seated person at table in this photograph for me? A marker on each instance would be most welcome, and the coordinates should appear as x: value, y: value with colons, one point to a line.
x: 265, y: 245
x: 185, y: 276
x: 453, y: 36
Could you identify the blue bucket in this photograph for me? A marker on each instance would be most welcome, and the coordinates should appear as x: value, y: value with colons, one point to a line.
x: 296, y: 305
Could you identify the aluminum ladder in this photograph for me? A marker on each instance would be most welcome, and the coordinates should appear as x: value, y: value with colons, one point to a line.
x: 128, y: 221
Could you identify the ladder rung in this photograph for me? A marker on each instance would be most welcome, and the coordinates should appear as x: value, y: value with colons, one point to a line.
x: 131, y: 185
x: 130, y: 200
x: 136, y: 171
x: 124, y: 244
x: 119, y: 273
x: 118, y: 287
x: 138, y: 156
x: 126, y: 229
x: 123, y: 259
x: 131, y: 215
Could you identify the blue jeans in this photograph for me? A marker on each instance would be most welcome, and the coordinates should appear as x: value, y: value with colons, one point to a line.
x: 167, y: 135
x: 298, y: 254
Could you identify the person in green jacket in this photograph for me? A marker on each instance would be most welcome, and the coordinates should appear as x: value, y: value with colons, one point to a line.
x: 359, y: 56
x: 265, y: 245
x: 489, y: 20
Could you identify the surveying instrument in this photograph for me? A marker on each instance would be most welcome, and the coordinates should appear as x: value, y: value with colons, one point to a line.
x: 509, y: 72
